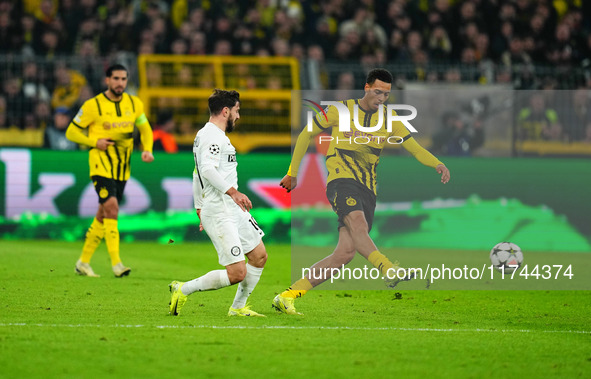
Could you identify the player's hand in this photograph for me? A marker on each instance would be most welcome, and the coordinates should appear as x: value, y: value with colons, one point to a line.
x: 199, y: 216
x: 104, y: 143
x: 241, y: 199
x: 441, y: 169
x: 147, y: 156
x: 289, y: 182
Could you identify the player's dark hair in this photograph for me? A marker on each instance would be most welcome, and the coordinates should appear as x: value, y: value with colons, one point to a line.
x: 220, y: 99
x: 379, y: 74
x: 115, y: 67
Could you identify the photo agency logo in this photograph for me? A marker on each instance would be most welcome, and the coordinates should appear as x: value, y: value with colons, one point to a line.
x: 363, y: 133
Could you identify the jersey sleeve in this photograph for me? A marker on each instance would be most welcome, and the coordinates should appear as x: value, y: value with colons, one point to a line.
x: 140, y: 115
x: 320, y: 123
x: 85, y: 116
x: 141, y: 121
x: 210, y: 151
x: 420, y: 153
x: 197, y: 190
x: 399, y: 130
x: 324, y: 123
x: 405, y: 137
x: 208, y: 157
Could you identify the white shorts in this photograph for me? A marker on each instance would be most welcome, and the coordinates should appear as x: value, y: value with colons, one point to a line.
x: 233, y: 232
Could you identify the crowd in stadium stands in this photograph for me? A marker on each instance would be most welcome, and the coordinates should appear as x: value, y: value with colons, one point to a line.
x: 486, y: 41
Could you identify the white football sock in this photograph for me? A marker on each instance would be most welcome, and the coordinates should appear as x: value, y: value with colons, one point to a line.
x: 245, y: 287
x: 213, y: 280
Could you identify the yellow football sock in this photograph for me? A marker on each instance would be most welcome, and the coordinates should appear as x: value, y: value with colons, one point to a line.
x: 112, y: 239
x: 298, y: 289
x: 380, y: 261
x: 94, y: 235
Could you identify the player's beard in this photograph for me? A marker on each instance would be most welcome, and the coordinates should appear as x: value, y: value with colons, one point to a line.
x: 230, y: 124
x: 117, y: 92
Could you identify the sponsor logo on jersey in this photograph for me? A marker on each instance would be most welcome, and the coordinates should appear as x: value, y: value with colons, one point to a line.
x: 117, y: 125
x: 232, y: 158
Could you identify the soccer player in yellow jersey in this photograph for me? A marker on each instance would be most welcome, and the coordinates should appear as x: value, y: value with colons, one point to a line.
x: 109, y: 118
x: 352, y: 183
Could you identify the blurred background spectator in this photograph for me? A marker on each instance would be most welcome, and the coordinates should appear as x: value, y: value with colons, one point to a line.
x: 537, y: 121
x: 457, y: 136
x: 163, y: 133
x: 55, y: 132
x: 576, y: 115
x: 506, y: 32
x: 69, y: 84
x: 53, y: 52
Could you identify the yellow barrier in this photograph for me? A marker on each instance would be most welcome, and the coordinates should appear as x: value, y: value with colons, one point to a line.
x: 16, y: 137
x: 182, y: 84
x: 555, y: 148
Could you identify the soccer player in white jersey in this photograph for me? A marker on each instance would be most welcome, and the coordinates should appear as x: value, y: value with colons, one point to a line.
x: 223, y: 211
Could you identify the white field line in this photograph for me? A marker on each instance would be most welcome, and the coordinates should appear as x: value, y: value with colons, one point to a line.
x: 288, y: 327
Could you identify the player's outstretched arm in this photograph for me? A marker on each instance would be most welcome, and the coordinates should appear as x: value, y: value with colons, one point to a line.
x: 290, y: 181
x: 425, y: 157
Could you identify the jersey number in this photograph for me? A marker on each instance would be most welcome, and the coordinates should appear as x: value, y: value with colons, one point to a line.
x: 254, y: 224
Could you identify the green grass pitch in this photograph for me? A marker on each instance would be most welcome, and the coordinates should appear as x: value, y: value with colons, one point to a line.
x: 56, y: 324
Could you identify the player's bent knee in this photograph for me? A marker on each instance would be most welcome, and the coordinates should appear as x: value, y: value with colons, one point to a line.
x: 258, y: 256
x: 236, y: 272
x: 258, y: 260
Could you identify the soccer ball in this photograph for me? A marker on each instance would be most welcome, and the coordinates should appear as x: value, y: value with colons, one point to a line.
x: 505, y: 254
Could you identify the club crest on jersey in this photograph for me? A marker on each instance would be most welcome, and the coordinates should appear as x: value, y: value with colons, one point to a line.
x: 235, y: 251
x: 103, y: 193
x: 351, y: 202
x: 214, y: 149
x: 232, y: 158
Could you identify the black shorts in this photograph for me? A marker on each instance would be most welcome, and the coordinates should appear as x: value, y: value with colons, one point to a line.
x: 107, y: 187
x: 347, y: 195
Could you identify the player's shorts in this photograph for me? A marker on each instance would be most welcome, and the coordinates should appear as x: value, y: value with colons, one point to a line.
x: 347, y: 195
x: 233, y: 232
x: 107, y: 187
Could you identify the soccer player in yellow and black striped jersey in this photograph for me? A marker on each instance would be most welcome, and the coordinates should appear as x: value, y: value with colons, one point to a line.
x: 109, y: 118
x: 351, y: 189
